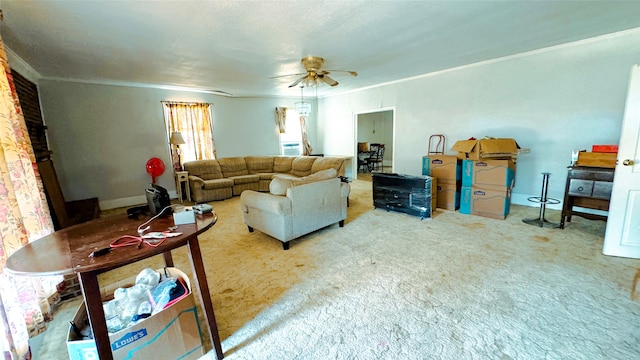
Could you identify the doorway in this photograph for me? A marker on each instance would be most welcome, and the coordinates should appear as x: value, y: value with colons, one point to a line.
x: 374, y: 127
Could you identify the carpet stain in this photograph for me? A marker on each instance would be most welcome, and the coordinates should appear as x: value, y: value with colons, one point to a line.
x: 474, y: 225
x: 635, y: 290
x: 541, y: 238
x: 227, y: 291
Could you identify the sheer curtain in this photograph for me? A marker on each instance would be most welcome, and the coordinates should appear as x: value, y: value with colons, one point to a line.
x: 24, y: 217
x: 193, y: 120
x: 281, y: 117
x: 306, y: 145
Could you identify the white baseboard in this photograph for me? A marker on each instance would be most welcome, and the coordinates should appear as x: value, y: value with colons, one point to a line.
x: 522, y: 199
x: 130, y: 201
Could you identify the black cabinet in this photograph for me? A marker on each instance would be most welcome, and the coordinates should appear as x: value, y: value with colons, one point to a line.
x: 404, y: 193
x: 587, y: 187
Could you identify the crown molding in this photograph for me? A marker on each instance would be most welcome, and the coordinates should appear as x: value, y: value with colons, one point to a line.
x: 18, y: 64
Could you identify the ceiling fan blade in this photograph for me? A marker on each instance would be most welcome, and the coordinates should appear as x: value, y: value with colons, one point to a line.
x: 328, y: 80
x: 297, y: 81
x: 351, y: 72
x: 287, y: 75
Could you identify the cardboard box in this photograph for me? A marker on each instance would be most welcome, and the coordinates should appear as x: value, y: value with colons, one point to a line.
x: 597, y: 159
x: 446, y: 168
x: 491, y: 203
x: 488, y: 173
x: 434, y: 195
x: 448, y: 195
x: 486, y: 148
x: 173, y: 333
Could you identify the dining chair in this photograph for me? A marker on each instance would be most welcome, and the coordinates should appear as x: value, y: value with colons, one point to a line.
x: 377, y: 155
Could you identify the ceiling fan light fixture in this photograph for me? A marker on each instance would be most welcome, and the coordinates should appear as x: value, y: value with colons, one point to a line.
x: 303, y: 108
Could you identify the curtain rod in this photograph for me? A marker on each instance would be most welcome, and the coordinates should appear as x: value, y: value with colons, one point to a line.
x: 185, y: 103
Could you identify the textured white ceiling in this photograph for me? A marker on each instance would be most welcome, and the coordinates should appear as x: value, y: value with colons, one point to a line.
x: 238, y: 46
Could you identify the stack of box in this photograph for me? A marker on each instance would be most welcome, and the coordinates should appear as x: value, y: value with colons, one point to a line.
x: 488, y: 175
x: 446, y: 171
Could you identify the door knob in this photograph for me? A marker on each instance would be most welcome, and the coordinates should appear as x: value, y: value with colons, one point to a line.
x: 627, y: 162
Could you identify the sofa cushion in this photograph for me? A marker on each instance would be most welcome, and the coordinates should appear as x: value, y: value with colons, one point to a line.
x: 259, y: 164
x: 280, y: 183
x: 204, y: 169
x: 324, y: 163
x: 217, y: 184
x: 233, y: 166
x: 265, y: 176
x: 282, y: 164
x: 301, y: 166
x: 245, y: 179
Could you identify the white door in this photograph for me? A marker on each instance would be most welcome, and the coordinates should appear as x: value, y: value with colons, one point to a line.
x: 622, y: 236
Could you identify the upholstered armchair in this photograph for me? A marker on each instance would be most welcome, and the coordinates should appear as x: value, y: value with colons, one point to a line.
x: 295, y: 207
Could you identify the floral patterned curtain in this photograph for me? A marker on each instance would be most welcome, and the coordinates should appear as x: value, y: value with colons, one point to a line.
x: 281, y: 117
x: 193, y: 120
x: 306, y: 146
x: 24, y: 217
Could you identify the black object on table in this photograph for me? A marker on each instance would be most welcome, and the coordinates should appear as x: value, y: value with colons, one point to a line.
x: 543, y: 200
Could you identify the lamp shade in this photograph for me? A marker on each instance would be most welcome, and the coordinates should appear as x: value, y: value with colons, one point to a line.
x: 176, y: 138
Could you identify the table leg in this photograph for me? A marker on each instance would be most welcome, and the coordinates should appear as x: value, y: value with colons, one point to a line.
x: 168, y: 259
x: 95, y: 313
x: 179, y: 188
x: 205, y: 298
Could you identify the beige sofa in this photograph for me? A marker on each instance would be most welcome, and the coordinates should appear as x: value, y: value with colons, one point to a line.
x: 223, y: 178
x: 296, y: 206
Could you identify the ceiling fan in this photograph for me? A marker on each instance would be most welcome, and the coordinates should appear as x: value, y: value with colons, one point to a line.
x: 314, y: 74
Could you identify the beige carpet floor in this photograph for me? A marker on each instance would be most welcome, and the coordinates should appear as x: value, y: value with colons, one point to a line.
x: 389, y: 286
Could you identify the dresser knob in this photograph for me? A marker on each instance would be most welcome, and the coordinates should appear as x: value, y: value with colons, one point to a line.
x: 627, y: 162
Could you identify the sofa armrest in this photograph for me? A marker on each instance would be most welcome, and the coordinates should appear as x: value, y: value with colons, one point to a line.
x: 196, y: 181
x: 266, y: 202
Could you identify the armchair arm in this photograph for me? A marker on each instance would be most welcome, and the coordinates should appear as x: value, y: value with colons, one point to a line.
x: 266, y: 202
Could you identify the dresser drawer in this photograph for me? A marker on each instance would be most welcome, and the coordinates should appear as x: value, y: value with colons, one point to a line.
x: 602, y: 190
x: 579, y: 187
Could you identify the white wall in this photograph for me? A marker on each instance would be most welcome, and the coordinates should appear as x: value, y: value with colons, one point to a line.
x: 551, y: 101
x: 102, y: 135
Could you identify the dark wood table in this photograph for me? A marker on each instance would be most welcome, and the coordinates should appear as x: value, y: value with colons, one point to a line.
x: 67, y: 251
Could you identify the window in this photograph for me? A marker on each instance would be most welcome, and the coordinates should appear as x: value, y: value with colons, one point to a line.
x: 193, y: 121
x: 291, y: 139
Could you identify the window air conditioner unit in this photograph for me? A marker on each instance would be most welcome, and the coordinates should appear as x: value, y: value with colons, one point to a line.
x: 291, y: 148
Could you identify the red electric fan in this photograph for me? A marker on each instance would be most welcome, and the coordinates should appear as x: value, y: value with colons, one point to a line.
x: 155, y: 168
